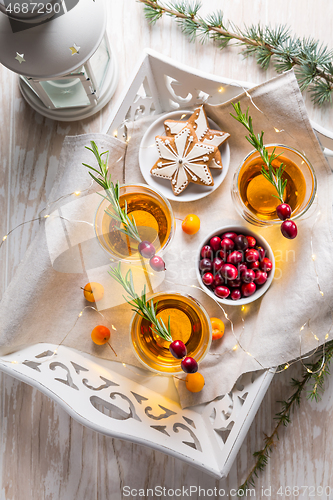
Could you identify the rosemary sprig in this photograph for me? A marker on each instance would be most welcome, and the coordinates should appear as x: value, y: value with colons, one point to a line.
x: 311, y: 59
x: 273, y: 175
x: 314, y: 374
x: 141, y: 305
x: 127, y: 222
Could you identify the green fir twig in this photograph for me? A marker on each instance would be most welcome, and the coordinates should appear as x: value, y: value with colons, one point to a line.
x: 273, y: 175
x: 127, y: 223
x: 312, y: 60
x: 141, y: 305
x: 314, y: 374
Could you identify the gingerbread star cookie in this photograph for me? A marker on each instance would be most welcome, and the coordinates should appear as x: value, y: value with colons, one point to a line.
x: 198, y: 120
x: 183, y: 159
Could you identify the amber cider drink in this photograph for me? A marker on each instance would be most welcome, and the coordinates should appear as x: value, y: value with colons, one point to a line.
x: 256, y: 198
x: 152, y: 214
x: 189, y: 323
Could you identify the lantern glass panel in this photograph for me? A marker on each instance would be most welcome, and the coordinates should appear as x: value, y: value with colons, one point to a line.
x: 99, y: 62
x: 66, y: 92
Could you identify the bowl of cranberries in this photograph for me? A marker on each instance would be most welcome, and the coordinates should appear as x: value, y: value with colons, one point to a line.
x: 235, y: 265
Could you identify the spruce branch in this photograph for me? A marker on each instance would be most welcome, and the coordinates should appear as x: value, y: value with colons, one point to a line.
x: 312, y: 60
x: 315, y: 374
x: 146, y: 309
x: 273, y: 175
x: 127, y: 223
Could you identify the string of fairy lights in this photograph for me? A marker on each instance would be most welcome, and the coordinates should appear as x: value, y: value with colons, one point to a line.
x: 238, y: 344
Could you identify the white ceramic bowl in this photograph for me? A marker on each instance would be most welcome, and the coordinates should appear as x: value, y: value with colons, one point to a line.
x: 260, y: 242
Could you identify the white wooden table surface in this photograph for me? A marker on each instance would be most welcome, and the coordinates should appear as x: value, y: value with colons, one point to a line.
x: 44, y: 454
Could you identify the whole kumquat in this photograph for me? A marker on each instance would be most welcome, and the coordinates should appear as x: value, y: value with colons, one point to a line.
x: 217, y: 327
x: 100, y: 335
x: 93, y: 292
x: 194, y: 382
x: 191, y: 224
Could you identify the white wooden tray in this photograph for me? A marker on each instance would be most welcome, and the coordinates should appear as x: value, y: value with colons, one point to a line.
x: 127, y: 402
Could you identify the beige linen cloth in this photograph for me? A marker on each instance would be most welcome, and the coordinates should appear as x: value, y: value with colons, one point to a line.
x: 44, y: 298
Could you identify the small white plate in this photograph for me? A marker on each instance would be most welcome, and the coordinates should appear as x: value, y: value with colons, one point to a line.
x: 148, y: 156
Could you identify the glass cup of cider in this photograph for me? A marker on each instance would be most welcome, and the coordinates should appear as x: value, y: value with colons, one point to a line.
x: 255, y: 197
x: 153, y: 216
x: 189, y: 322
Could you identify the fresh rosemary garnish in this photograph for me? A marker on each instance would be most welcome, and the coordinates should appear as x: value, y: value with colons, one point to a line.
x: 127, y: 222
x: 273, y: 175
x: 311, y: 59
x: 146, y: 309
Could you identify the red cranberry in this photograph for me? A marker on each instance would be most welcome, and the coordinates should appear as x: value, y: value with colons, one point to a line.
x: 227, y: 244
x: 178, y: 349
x: 241, y: 242
x: 248, y: 289
x: 261, y: 252
x: 283, y: 211
x: 251, y: 255
x: 217, y: 264
x: 205, y: 265
x: 261, y: 277
x: 222, y: 292
x: 229, y: 272
x: 146, y: 249
x: 157, y: 263
x: 235, y: 257
x: 231, y: 236
x: 248, y: 276
x: 207, y: 252
x: 189, y: 365
x: 208, y: 279
x: 235, y: 283
x: 235, y: 294
x: 222, y: 254
x: 215, y: 243
x: 289, y: 229
x: 251, y: 241
x: 242, y: 267
x: 254, y: 265
x: 266, y: 265
x: 218, y: 280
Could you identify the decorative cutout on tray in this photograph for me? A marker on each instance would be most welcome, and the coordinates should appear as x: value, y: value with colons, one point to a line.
x: 166, y: 413
x: 44, y: 354
x: 113, y: 411
x: 224, y: 433
x: 189, y: 421
x: 107, y: 383
x: 184, y: 429
x: 78, y: 368
x: 160, y: 428
x: 196, y: 443
x: 32, y: 364
x: 138, y: 397
x: 69, y: 380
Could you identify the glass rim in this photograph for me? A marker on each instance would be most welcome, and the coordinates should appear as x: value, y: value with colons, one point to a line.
x: 277, y: 221
x: 165, y: 200
x: 203, y: 310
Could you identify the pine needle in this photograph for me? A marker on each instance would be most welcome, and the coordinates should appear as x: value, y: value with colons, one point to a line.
x: 311, y: 59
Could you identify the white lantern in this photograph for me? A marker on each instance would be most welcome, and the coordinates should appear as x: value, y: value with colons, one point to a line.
x: 62, y: 54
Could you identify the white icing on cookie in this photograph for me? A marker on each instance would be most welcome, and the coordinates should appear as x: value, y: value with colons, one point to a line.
x: 202, y: 125
x: 164, y: 152
x: 175, y: 127
x: 215, y: 164
x: 183, y: 160
x: 216, y: 140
